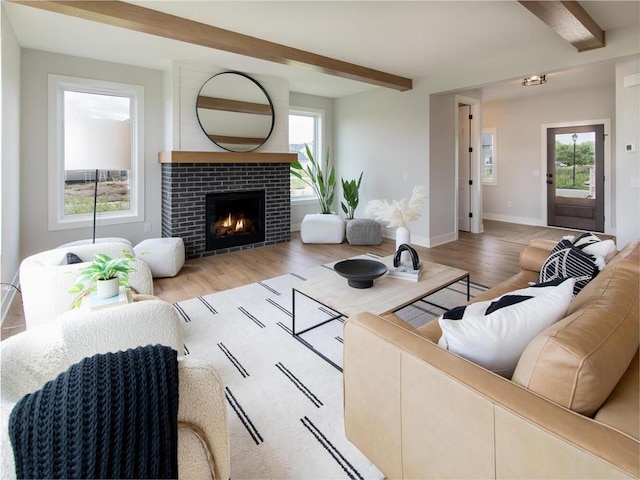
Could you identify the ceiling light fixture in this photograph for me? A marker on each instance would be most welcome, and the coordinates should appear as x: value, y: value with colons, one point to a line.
x: 534, y: 80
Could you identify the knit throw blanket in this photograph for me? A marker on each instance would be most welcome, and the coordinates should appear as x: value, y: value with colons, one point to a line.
x: 108, y: 416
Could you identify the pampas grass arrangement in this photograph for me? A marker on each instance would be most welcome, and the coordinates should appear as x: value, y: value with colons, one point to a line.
x: 398, y: 214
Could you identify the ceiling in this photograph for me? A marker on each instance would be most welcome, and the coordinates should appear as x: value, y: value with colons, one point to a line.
x: 412, y: 39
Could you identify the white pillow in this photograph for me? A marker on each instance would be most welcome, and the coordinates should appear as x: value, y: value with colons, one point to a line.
x: 496, y: 340
x: 605, y: 248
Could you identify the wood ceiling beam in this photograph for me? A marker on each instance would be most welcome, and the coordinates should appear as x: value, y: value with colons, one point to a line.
x: 569, y: 20
x: 153, y: 22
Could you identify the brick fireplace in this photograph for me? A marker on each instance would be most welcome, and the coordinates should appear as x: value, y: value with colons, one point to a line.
x: 185, y: 186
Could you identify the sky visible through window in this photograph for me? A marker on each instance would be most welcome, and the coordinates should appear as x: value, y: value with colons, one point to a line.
x: 114, y: 192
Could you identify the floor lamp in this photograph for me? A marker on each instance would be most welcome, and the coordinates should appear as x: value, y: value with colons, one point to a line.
x: 97, y: 144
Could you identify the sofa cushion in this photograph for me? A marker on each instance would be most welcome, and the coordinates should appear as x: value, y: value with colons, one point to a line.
x: 494, y: 333
x: 578, y: 361
x: 622, y: 409
x: 567, y: 260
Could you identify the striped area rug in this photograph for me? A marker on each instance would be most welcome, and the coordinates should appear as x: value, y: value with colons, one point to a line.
x: 284, y: 401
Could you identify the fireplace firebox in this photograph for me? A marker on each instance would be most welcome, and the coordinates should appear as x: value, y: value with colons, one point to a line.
x: 234, y: 219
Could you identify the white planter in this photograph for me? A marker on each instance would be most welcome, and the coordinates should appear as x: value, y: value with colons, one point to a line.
x: 107, y: 288
x: 403, y: 235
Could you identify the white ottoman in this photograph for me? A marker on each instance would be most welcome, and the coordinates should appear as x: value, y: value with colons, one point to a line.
x: 322, y: 228
x: 165, y: 256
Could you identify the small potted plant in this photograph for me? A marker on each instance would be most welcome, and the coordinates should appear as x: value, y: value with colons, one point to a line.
x: 351, y: 197
x: 321, y: 179
x: 104, y: 275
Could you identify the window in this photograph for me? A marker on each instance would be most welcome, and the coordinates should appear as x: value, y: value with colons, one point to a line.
x: 87, y: 115
x: 489, y: 157
x: 305, y: 127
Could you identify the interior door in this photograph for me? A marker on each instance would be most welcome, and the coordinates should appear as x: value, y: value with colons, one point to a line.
x: 575, y: 177
x: 464, y: 168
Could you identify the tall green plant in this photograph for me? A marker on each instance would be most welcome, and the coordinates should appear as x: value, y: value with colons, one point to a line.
x: 322, y: 179
x: 351, y: 196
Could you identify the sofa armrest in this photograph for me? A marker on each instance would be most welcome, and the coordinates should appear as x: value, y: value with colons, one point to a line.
x: 418, y: 411
x: 203, y: 445
x: 532, y: 258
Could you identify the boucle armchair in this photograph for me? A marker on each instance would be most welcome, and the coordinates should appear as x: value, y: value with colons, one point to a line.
x: 45, y: 281
x: 35, y: 356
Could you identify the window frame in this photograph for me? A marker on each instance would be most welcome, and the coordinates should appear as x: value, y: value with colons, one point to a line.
x: 57, y: 220
x: 319, y: 122
x: 493, y: 180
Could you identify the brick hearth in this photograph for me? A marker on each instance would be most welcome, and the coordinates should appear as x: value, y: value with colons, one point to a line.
x: 184, y: 190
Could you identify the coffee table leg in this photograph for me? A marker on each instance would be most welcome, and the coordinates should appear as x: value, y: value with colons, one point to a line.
x: 297, y: 336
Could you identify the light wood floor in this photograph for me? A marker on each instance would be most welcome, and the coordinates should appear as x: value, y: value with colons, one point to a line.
x: 490, y: 257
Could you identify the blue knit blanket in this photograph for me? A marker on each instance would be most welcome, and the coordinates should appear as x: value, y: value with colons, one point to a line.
x: 108, y: 416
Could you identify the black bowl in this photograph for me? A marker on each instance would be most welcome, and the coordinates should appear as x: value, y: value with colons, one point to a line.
x: 360, y: 273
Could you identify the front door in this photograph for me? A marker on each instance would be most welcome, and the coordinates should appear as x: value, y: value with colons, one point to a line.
x: 575, y: 177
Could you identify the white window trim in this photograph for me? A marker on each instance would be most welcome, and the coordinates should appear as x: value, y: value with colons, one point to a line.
x: 57, y: 219
x: 494, y: 178
x: 319, y: 153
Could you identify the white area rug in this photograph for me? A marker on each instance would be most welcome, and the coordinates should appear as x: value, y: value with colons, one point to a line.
x: 284, y: 401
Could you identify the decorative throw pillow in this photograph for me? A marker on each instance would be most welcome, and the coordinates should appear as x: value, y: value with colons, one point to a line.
x: 591, y: 244
x: 567, y: 260
x: 70, y: 258
x: 494, y: 333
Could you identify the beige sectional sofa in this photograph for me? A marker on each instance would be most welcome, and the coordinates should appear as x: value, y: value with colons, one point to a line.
x: 571, y: 409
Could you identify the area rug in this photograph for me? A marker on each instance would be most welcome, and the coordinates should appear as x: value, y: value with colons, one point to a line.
x: 284, y: 401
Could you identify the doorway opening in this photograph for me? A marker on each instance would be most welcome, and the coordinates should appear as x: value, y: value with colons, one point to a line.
x: 468, y: 148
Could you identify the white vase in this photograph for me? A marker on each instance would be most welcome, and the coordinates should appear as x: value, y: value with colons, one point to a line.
x: 107, y: 288
x: 403, y: 235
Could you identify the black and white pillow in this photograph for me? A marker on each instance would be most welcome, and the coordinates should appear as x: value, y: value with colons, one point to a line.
x: 494, y: 333
x: 566, y: 260
x: 602, y: 250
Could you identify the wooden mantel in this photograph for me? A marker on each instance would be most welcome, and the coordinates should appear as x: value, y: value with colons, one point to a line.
x: 225, y: 157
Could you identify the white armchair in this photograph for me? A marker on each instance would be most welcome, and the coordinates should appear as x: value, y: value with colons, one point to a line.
x: 38, y: 355
x: 45, y: 282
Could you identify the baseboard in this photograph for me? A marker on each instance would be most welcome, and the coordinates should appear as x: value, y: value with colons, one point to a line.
x: 442, y: 239
x: 7, y: 300
x: 536, y: 222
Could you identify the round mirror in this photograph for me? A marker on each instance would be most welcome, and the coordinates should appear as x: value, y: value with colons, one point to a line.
x: 235, y: 112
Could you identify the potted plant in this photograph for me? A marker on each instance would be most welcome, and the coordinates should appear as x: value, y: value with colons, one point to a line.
x: 104, y: 275
x: 351, y: 197
x: 321, y: 179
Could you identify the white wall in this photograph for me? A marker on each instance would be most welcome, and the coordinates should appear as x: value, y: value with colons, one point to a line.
x: 385, y: 134
x: 388, y: 132
x: 188, y: 135
x: 36, y: 65
x: 518, y: 123
x: 10, y: 161
x: 627, y: 171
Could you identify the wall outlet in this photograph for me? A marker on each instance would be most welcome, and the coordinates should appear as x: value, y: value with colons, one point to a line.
x: 629, y: 147
x: 147, y: 227
x: 509, y: 204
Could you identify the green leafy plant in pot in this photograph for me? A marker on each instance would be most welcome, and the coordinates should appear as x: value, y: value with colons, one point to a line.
x: 322, y: 179
x: 351, y: 196
x: 103, y: 269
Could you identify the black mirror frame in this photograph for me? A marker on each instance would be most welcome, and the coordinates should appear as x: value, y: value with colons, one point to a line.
x: 273, y: 116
